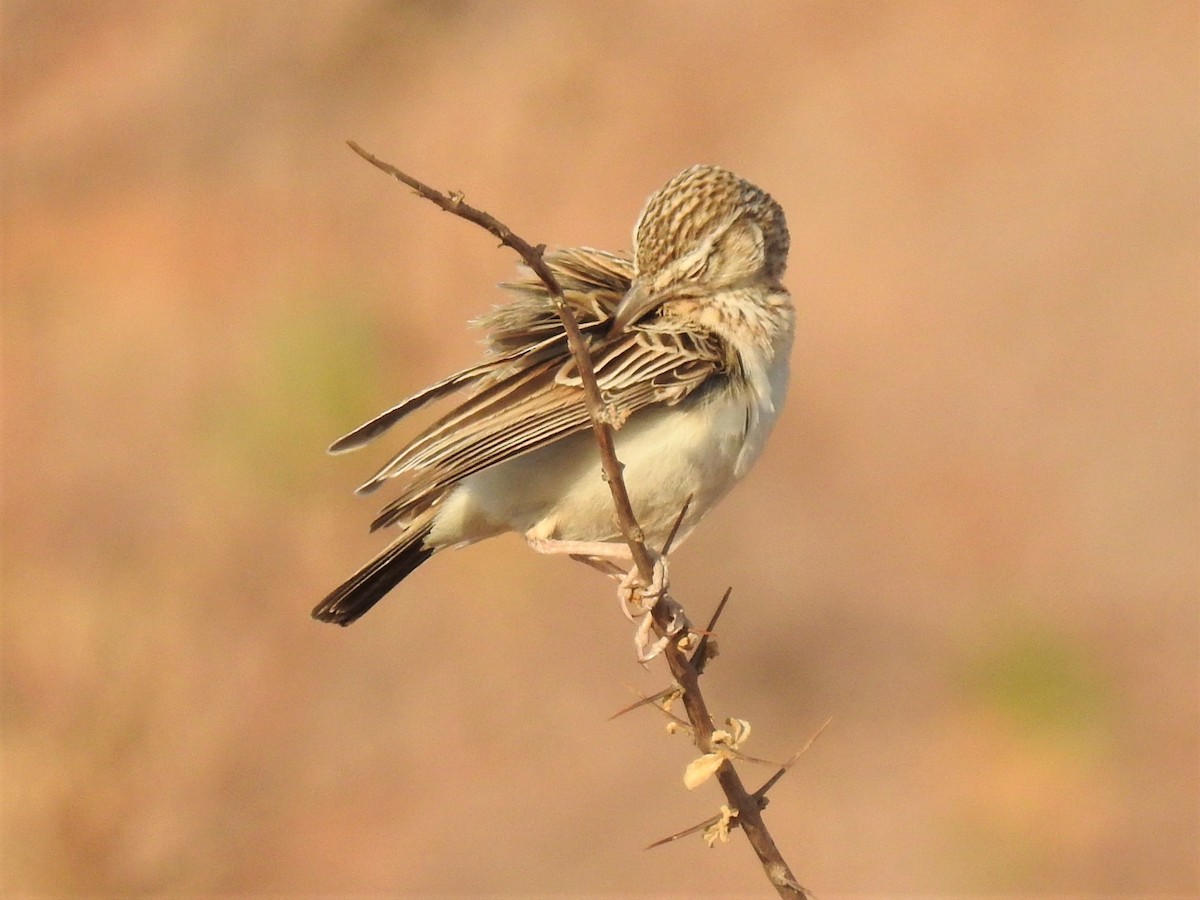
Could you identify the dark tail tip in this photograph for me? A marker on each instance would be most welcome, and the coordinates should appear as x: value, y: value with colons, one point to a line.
x: 368, y: 586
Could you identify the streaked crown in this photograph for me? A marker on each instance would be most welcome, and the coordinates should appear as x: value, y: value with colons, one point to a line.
x: 708, y: 224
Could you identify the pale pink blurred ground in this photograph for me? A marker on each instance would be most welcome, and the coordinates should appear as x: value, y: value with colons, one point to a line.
x: 973, y: 540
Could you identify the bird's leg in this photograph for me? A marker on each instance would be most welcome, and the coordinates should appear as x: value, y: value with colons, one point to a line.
x: 610, y: 551
x: 603, y: 556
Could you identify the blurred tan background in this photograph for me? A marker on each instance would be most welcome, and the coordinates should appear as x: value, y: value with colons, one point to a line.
x: 972, y: 541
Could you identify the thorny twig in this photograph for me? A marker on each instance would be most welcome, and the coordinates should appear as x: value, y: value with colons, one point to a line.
x: 700, y: 656
x: 760, y: 795
x: 747, y: 807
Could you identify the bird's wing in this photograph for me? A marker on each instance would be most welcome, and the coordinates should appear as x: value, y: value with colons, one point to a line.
x: 593, y: 282
x: 528, y: 393
x: 543, y: 402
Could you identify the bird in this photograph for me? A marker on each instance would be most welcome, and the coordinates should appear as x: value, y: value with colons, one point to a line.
x: 690, y: 337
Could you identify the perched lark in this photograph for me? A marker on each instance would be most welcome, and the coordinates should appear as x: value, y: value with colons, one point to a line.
x: 690, y: 341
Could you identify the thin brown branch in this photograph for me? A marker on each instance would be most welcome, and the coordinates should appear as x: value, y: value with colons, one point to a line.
x: 749, y: 810
x: 700, y: 657
x: 747, y: 806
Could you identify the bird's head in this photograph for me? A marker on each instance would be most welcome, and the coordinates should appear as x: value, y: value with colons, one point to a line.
x: 705, y: 229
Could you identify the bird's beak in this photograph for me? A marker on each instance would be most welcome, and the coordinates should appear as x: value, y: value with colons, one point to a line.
x: 637, y: 302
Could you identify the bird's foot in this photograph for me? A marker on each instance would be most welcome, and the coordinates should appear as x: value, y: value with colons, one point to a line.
x: 602, y: 555
x: 635, y: 596
x: 671, y: 621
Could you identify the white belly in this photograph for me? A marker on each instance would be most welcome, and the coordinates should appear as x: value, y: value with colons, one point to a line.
x: 697, y: 449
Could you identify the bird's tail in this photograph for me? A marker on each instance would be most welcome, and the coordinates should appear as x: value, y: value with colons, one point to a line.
x: 369, y: 584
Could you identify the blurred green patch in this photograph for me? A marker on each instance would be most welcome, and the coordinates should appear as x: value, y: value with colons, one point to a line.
x: 1045, y: 683
x: 316, y: 370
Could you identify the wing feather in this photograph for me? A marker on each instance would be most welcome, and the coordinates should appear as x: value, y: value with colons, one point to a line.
x: 642, y: 370
x: 370, y: 430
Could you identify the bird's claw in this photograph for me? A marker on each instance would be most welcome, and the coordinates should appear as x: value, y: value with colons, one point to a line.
x: 635, y: 596
x: 639, y: 601
x: 671, y: 622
